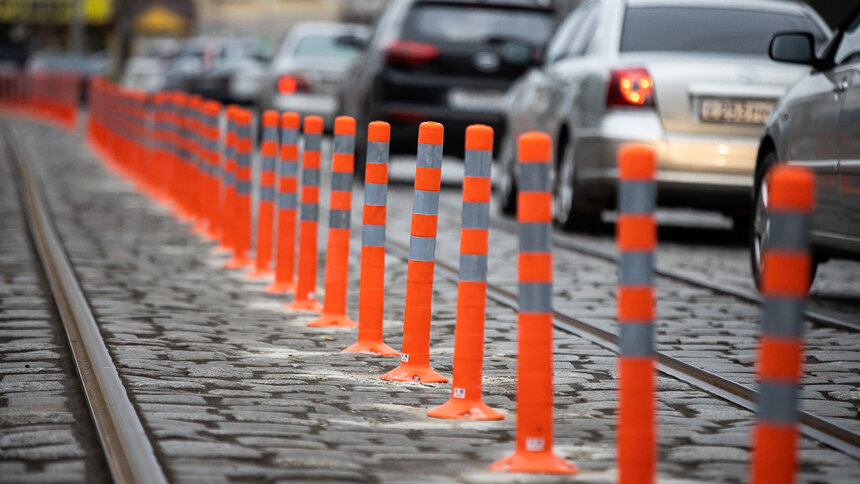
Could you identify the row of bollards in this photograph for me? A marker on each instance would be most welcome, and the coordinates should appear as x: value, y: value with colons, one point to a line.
x: 170, y: 148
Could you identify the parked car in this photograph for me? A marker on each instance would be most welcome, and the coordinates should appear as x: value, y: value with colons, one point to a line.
x: 816, y: 125
x: 306, y: 73
x: 147, y: 70
x: 446, y: 61
x: 689, y: 77
x: 236, y: 75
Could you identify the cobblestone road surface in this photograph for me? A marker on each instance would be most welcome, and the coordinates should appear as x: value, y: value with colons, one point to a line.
x: 233, y: 388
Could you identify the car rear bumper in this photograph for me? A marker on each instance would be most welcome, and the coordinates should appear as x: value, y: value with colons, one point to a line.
x: 324, y: 105
x: 696, y: 171
x: 405, y: 119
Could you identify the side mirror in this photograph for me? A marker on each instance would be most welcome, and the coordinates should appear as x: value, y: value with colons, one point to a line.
x: 793, y: 47
x: 357, y: 42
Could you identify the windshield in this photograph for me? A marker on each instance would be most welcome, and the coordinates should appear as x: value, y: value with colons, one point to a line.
x: 323, y: 46
x: 460, y: 23
x: 711, y: 30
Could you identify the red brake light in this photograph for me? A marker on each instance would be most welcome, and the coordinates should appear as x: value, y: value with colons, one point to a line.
x: 409, y: 52
x: 630, y: 87
x: 291, y: 84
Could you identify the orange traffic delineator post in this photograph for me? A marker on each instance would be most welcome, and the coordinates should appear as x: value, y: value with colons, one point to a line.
x: 266, y: 206
x: 785, y: 282
x: 212, y: 162
x: 340, y: 214
x: 415, y: 355
x: 306, y: 299
x: 637, y: 240
x: 466, y: 401
x: 285, y: 249
x: 533, y: 451
x: 242, y: 200
x: 226, y: 217
x: 371, y: 297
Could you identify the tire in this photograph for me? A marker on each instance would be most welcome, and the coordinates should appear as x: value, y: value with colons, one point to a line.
x: 566, y: 205
x: 759, y: 224
x: 507, y: 194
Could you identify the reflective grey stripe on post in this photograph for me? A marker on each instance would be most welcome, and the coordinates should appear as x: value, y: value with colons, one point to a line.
x: 476, y: 215
x: 270, y: 133
x: 309, y: 212
x: 783, y: 317
x: 243, y: 159
x: 267, y: 194
x: 288, y: 200
x: 289, y: 168
x: 289, y: 136
x: 473, y: 267
x: 534, y: 177
x: 429, y: 156
x: 776, y: 402
x: 268, y: 163
x: 422, y: 248
x: 636, y: 268
x: 535, y: 237
x: 478, y: 163
x: 377, y: 152
x: 243, y: 187
x: 535, y: 297
x: 341, y: 181
x: 788, y: 231
x: 375, y: 194
x: 425, y: 202
x: 373, y: 235
x: 344, y: 143
x: 338, y: 219
x: 229, y: 178
x: 313, y: 141
x: 311, y: 177
x: 636, y: 339
x: 637, y: 197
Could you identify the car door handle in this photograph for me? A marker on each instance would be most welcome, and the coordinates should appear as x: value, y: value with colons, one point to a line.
x: 842, y: 86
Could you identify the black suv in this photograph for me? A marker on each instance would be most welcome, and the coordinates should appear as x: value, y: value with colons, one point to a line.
x: 446, y: 61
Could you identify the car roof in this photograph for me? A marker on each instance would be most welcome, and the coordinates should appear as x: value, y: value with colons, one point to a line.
x: 783, y: 6
x: 537, y: 4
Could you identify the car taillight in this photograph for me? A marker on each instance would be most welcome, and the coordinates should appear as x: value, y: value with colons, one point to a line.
x: 291, y: 84
x: 409, y: 52
x: 630, y: 87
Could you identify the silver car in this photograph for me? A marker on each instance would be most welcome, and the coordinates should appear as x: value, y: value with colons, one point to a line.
x: 306, y: 73
x: 817, y: 125
x: 689, y: 77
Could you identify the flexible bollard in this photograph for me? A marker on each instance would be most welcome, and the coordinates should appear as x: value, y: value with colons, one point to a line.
x: 266, y: 206
x: 534, y: 321
x: 371, y: 298
x: 340, y: 214
x: 785, y: 281
x: 306, y: 299
x: 637, y: 240
x: 226, y: 220
x: 466, y: 401
x: 415, y: 356
x: 242, y: 199
x: 212, y: 115
x: 285, y: 250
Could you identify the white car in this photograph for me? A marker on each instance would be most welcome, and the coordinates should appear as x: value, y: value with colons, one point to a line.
x: 689, y: 77
x: 307, y: 70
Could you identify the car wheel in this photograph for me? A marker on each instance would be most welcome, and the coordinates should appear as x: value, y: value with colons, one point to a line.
x: 566, y: 211
x: 759, y: 232
x: 507, y: 194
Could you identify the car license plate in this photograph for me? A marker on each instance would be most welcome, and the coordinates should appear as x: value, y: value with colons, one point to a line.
x: 743, y: 111
x: 476, y: 100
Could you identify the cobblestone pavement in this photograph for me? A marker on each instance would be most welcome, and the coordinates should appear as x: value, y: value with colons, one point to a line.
x: 45, y: 431
x: 233, y: 388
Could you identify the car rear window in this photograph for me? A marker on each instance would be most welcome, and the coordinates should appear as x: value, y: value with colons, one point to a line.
x: 323, y: 46
x: 712, y: 30
x: 476, y: 24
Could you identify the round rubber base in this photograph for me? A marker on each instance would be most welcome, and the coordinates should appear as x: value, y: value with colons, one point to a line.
x: 457, y: 408
x: 307, y: 305
x: 416, y: 373
x: 333, y: 321
x: 281, y: 287
x: 377, y: 348
x: 543, y: 462
x: 258, y: 274
x: 238, y: 263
